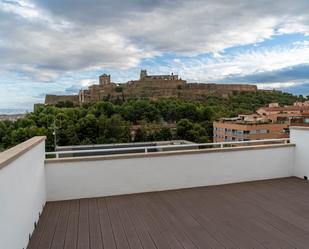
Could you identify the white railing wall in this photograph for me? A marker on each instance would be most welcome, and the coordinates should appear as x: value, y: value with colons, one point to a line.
x: 22, y: 192
x: 300, y: 136
x: 104, y: 176
x: 147, y: 149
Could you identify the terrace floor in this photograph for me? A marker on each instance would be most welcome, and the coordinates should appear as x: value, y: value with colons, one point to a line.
x: 261, y: 214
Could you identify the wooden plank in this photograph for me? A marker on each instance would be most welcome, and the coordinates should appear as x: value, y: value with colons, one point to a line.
x: 267, y: 215
x: 158, y: 234
x: 72, y: 227
x: 129, y: 229
x: 61, y: 228
x: 39, y: 230
x: 106, y: 226
x: 139, y: 225
x: 213, y: 227
x: 119, y: 233
x: 216, y: 223
x: 279, y: 210
x: 96, y: 241
x: 83, y: 225
x: 51, y: 225
x: 222, y: 220
x: 162, y: 217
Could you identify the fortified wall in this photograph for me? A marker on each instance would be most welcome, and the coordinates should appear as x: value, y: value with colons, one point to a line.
x: 54, y: 99
x: 150, y: 86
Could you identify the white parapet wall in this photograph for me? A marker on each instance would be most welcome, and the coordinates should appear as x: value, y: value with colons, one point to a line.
x: 71, y: 178
x: 300, y: 136
x: 22, y: 192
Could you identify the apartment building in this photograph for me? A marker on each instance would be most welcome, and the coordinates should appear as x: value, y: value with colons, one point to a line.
x: 269, y: 122
x: 298, y: 114
x: 299, y: 109
x: 237, y: 129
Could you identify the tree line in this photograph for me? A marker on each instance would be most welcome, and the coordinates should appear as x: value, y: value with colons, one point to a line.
x: 112, y: 121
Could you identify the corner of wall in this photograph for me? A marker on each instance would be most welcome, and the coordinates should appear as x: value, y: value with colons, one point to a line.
x: 300, y: 137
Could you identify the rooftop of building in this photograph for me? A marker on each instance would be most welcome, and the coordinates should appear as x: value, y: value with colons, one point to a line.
x: 253, y: 195
x: 297, y: 106
x: 286, y: 108
x: 246, y: 120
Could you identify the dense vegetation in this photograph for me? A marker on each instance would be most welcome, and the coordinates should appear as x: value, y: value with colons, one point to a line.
x: 111, y: 122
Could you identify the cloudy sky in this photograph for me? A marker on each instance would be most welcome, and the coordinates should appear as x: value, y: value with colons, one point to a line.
x: 60, y: 46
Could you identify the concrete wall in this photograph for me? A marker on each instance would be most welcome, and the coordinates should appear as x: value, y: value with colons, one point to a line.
x: 70, y: 179
x: 300, y: 136
x: 22, y: 192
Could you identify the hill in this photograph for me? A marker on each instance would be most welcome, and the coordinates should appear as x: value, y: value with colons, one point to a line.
x: 112, y: 121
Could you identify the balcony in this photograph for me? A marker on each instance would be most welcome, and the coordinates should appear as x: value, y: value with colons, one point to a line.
x: 225, y: 197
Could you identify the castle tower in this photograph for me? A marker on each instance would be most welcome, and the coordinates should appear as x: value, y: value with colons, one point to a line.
x: 143, y: 74
x: 105, y: 79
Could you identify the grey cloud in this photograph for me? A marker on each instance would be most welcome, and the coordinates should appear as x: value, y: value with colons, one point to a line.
x: 38, y: 49
x: 298, y: 89
x: 185, y: 26
x: 295, y: 73
x: 72, y: 90
x: 12, y: 3
x: 96, y: 11
x: 72, y: 35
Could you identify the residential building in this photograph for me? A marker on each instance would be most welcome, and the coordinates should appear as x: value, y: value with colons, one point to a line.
x: 274, y: 110
x: 241, y: 130
x: 268, y: 122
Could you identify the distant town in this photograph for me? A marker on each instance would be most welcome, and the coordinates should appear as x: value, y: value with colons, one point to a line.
x: 11, y: 117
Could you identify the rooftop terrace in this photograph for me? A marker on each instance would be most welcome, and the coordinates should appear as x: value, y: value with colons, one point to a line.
x: 261, y: 214
x: 248, y: 196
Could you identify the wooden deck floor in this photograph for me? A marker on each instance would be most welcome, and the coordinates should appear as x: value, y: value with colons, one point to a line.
x: 263, y: 214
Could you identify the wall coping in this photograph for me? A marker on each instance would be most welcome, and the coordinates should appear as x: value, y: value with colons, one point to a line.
x: 299, y: 128
x: 8, y: 156
x: 165, y: 153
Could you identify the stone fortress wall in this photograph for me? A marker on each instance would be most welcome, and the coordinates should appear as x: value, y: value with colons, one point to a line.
x: 51, y: 99
x: 150, y: 86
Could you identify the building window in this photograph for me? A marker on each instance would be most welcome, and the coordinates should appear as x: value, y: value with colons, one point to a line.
x: 238, y: 132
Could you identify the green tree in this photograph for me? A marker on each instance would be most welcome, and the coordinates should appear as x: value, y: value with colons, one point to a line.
x: 109, y: 120
x: 87, y: 129
x: 65, y: 104
x: 184, y: 127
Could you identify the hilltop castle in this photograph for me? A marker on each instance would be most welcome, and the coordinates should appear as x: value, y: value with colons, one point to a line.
x: 149, y: 86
